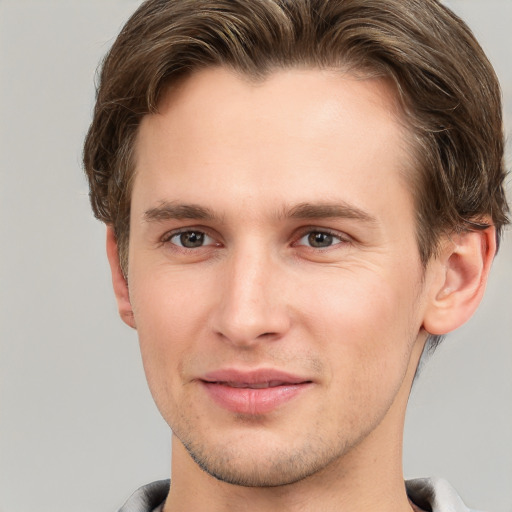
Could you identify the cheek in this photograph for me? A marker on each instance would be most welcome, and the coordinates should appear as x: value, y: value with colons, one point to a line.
x: 366, y: 322
x: 365, y: 333
x: 170, y: 314
x: 166, y: 303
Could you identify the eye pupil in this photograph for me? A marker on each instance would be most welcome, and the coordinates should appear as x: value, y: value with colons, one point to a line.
x: 317, y: 239
x: 192, y: 239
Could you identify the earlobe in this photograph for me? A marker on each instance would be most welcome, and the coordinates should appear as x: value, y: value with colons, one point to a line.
x: 459, y: 278
x: 119, y: 281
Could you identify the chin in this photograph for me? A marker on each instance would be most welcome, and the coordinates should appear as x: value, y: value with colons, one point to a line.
x: 263, y: 464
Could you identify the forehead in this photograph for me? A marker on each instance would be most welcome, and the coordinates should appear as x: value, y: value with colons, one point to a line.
x: 294, y: 135
x: 305, y: 102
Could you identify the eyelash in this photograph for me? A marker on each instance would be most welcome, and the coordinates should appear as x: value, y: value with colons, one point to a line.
x: 341, y: 239
x: 167, y: 238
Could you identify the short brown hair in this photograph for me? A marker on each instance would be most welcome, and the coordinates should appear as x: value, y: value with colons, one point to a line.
x: 447, y: 88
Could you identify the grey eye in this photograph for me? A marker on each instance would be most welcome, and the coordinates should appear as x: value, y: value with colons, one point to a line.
x: 319, y: 240
x: 190, y: 239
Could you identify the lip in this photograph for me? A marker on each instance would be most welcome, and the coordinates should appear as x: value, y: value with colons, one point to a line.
x: 253, y: 392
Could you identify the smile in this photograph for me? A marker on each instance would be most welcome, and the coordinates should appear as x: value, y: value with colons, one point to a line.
x: 256, y: 385
x: 253, y: 393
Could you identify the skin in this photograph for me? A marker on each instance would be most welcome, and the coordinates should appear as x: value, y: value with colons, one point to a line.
x: 306, y: 263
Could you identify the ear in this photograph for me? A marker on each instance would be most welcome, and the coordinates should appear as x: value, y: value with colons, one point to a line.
x: 119, y: 281
x: 458, y: 279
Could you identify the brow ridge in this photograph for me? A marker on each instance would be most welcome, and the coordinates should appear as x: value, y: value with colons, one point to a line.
x: 168, y: 210
x: 329, y: 210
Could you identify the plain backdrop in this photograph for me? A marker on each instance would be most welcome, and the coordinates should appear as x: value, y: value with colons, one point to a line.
x: 78, y: 428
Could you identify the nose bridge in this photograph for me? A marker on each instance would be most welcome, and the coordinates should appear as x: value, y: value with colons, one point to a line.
x: 251, y: 306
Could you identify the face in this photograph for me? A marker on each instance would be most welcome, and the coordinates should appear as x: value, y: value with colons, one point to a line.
x: 274, y: 274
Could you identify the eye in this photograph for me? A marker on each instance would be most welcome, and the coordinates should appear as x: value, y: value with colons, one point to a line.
x: 191, y: 239
x: 320, y: 239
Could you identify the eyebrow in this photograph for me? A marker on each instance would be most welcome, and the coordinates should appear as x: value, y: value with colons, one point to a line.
x: 168, y: 210
x: 329, y: 210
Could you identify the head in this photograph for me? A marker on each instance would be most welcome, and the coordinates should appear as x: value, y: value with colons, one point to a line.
x: 186, y: 112
x: 445, y: 85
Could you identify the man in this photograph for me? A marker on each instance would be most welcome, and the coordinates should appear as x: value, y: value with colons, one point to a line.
x: 299, y: 197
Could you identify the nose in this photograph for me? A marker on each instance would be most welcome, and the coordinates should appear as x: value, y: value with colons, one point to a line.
x: 252, y: 305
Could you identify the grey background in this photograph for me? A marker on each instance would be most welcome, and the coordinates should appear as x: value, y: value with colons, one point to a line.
x: 78, y: 429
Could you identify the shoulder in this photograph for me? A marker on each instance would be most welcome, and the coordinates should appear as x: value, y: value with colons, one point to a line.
x: 147, y: 498
x: 435, y: 495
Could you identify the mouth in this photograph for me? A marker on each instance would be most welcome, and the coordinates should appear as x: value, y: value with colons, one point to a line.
x: 253, y: 393
x: 255, y: 385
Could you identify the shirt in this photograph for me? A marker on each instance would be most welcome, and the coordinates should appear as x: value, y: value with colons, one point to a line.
x: 428, y: 494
